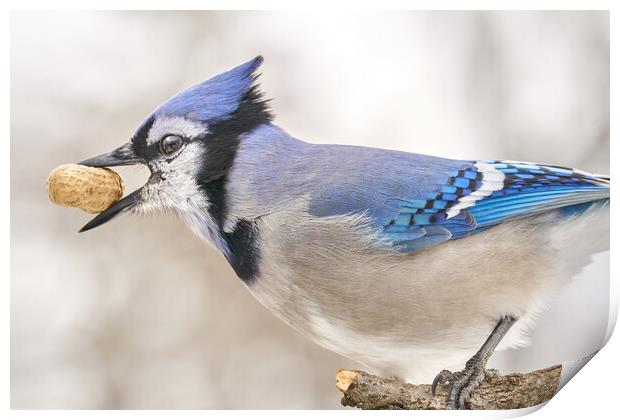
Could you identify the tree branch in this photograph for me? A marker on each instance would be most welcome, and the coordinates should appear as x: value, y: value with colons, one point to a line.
x: 518, y: 390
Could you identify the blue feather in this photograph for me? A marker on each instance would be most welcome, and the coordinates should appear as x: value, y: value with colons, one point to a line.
x: 431, y: 235
x: 526, y: 190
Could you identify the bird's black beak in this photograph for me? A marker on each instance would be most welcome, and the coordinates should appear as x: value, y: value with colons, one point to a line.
x: 122, y: 206
x: 122, y: 156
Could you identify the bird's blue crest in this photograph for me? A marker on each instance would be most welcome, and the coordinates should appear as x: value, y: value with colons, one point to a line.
x: 215, y: 99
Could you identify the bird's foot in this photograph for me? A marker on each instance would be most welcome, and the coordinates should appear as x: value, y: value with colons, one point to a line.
x: 462, y: 383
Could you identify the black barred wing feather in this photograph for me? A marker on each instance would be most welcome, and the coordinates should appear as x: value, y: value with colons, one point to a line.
x: 489, y: 193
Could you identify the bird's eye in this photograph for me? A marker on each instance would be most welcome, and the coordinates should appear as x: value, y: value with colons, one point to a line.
x: 170, y: 144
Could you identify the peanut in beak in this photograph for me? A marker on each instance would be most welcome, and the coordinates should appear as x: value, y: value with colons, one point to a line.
x: 91, y: 189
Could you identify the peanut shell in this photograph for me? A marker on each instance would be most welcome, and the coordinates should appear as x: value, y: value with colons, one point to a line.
x: 90, y: 189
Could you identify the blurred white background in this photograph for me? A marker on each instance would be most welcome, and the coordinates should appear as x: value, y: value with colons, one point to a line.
x: 140, y: 313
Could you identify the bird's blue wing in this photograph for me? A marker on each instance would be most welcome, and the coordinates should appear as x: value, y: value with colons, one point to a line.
x: 487, y: 193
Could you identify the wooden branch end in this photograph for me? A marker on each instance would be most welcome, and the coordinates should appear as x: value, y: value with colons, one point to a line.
x: 344, y: 378
x: 497, y: 392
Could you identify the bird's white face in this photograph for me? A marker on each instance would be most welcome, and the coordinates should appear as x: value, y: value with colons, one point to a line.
x: 175, y: 168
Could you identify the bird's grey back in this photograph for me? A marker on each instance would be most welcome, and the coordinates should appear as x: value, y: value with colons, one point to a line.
x: 272, y: 169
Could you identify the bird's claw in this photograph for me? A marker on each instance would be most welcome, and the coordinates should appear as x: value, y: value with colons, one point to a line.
x: 445, y: 376
x: 462, y: 383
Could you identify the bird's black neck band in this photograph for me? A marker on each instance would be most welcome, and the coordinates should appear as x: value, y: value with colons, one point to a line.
x: 221, y: 146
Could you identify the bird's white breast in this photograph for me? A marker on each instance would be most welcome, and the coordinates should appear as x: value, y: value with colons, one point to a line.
x: 413, y: 315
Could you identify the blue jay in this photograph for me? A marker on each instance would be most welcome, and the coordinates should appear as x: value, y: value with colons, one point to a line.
x: 403, y: 262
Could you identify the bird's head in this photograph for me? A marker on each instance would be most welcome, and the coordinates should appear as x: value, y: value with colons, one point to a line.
x: 189, y: 143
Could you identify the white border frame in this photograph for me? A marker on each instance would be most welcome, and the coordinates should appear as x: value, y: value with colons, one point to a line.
x: 592, y: 394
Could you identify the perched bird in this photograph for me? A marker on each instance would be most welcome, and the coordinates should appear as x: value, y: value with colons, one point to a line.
x: 405, y: 263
